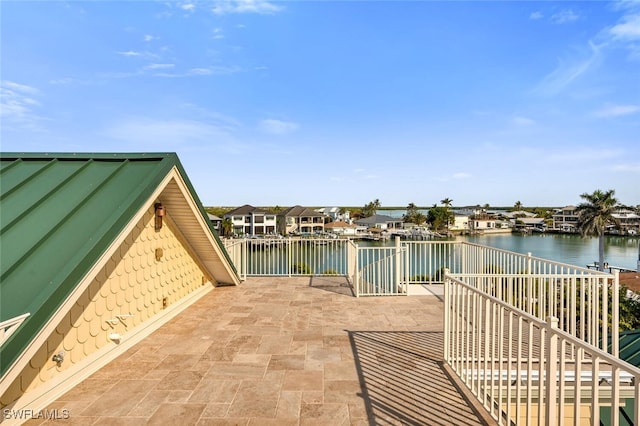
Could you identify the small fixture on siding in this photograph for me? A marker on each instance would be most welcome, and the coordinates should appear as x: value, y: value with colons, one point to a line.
x: 165, y: 302
x: 159, y: 254
x: 160, y: 212
x: 115, y: 337
x: 58, y: 358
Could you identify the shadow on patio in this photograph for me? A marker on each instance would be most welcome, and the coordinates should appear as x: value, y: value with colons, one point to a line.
x: 405, y: 382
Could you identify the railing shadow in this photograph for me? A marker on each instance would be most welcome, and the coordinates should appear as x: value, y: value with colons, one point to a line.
x: 404, y: 381
x: 332, y: 283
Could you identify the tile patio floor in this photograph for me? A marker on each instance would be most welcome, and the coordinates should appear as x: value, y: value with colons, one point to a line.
x: 282, y: 351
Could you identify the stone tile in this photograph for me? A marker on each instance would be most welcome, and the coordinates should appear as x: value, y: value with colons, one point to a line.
x: 303, y: 380
x: 120, y: 399
x: 215, y: 391
x: 180, y: 380
x: 289, y: 404
x: 276, y: 350
x: 327, y: 414
x: 286, y: 362
x: 177, y: 414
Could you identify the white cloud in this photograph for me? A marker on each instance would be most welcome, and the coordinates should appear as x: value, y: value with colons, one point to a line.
x: 263, y: 7
x: 218, y: 34
x: 632, y: 168
x: 536, y: 15
x: 461, y: 175
x: 18, y: 104
x: 188, y: 6
x: 129, y: 53
x: 149, y: 37
x: 617, y: 110
x: 201, y: 71
x: 628, y: 30
x: 568, y: 71
x: 159, y: 66
x: 277, y: 127
x: 143, y: 133
x: 564, y: 16
x: 523, y: 121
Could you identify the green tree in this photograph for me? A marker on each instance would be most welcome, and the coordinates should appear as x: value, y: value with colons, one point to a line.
x: 439, y: 217
x: 227, y: 227
x: 371, y: 208
x: 594, y: 215
x: 517, y: 206
x: 413, y: 215
x: 447, y: 202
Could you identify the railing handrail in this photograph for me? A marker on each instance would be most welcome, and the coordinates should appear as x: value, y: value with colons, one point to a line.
x: 574, y: 340
x: 529, y: 256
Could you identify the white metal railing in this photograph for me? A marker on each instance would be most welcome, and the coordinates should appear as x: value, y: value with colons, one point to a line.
x: 382, y: 272
x: 291, y: 256
x: 528, y: 371
x: 428, y: 260
x: 9, y: 326
x: 583, y: 303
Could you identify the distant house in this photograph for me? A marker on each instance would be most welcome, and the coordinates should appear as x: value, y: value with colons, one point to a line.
x: 216, y: 222
x: 98, y: 251
x: 341, y: 228
x: 380, y: 221
x: 518, y: 214
x: 566, y: 219
x: 249, y: 220
x: 460, y: 223
x: 335, y: 215
x: 300, y: 220
x: 533, y: 224
x: 629, y: 222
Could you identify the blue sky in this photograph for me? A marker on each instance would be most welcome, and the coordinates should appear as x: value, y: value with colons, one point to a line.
x: 337, y: 103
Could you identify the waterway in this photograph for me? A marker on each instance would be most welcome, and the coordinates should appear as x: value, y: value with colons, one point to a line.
x: 565, y: 248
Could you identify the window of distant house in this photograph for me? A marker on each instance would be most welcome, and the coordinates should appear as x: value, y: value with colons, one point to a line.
x: 259, y: 219
x: 271, y: 218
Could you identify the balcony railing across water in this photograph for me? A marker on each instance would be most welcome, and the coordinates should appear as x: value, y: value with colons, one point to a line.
x: 528, y: 336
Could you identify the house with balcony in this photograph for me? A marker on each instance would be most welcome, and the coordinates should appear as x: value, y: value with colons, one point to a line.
x: 566, y: 219
x: 380, y: 221
x: 629, y: 222
x: 300, y: 220
x: 249, y: 220
x: 336, y: 213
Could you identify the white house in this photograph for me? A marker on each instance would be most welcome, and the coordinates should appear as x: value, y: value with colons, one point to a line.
x: 341, y: 228
x: 335, y: 215
x: 251, y: 220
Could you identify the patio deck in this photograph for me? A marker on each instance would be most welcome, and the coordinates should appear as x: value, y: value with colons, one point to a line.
x: 282, y: 351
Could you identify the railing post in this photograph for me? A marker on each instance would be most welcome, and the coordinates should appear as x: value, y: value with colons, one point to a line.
x: 398, y: 265
x: 447, y: 315
x: 551, y: 384
x: 529, y: 271
x: 615, y: 317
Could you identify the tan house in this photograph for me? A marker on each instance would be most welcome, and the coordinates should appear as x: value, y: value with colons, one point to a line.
x: 300, y: 220
x: 98, y: 251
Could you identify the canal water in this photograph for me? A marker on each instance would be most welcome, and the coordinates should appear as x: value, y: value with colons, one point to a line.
x: 565, y: 248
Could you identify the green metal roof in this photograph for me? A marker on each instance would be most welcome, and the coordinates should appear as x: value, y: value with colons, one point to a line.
x: 58, y: 214
x: 630, y: 347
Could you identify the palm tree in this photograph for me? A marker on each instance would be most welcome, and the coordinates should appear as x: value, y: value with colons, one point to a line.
x: 446, y: 202
x: 227, y: 227
x: 517, y: 206
x: 594, y: 215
